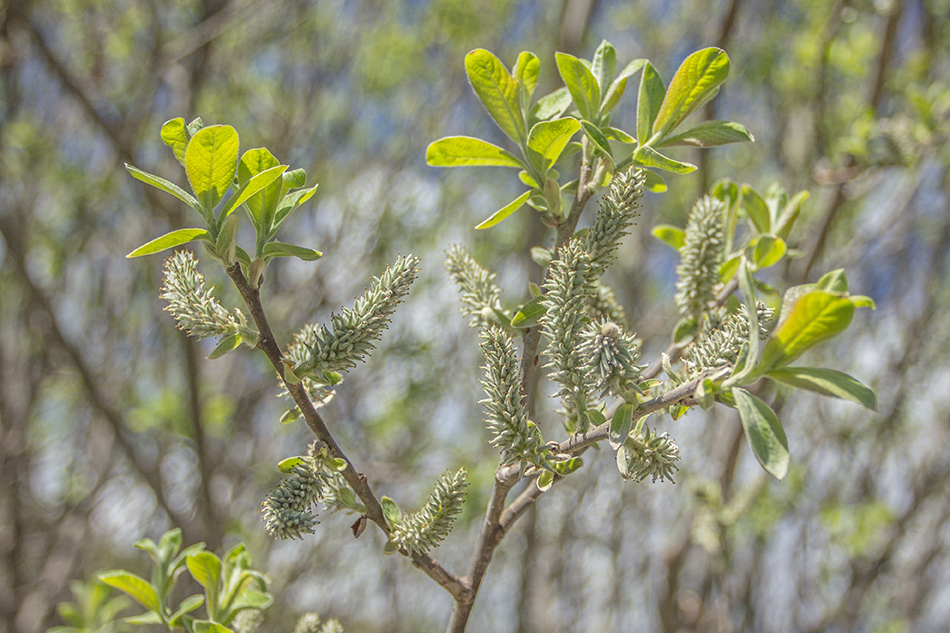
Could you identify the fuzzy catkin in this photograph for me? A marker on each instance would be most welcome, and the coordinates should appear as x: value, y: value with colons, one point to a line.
x: 479, y: 291
x: 418, y: 532
x: 700, y: 257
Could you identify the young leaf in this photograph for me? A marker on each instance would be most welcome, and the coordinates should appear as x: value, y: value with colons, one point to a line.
x: 827, y: 382
x: 227, y: 344
x: 581, y: 83
x: 498, y: 92
x: 620, y: 425
x: 619, y: 135
x: 207, y: 626
x: 654, y: 182
x: 696, y: 80
x: 391, y: 511
x: 137, y: 588
x: 545, y: 479
x: 457, y: 151
x: 505, y: 211
x: 815, y: 317
x: 551, y: 106
x: 764, y: 433
x: 205, y: 567
x: 287, y: 465
x: 526, y: 72
x: 788, y: 216
x: 711, y: 134
x: 649, y: 99
x: 187, y: 605
x: 164, y: 185
x: 619, y: 85
x: 280, y: 249
x: 549, y: 138
x: 290, y: 202
x: 175, y: 136
x: 758, y: 211
x: 769, y: 250
x: 604, y: 65
x: 528, y: 314
x: 169, y: 240
x: 210, y: 161
x: 649, y: 157
x: 833, y: 281
x: 597, y: 138
x: 670, y: 235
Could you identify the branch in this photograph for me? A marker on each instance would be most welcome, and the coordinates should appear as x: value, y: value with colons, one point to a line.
x: 356, y: 480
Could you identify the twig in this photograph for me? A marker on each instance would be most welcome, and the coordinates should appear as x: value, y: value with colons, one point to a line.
x: 356, y: 480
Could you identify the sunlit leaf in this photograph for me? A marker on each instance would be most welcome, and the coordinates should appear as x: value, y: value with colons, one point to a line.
x: 649, y: 157
x: 711, y: 134
x: 505, y: 211
x: 498, y: 92
x: 458, y: 151
x: 210, y: 162
x: 696, y: 80
x: 827, y: 382
x: 137, y: 588
x: 581, y: 83
x: 549, y: 138
x: 815, y: 317
x: 169, y: 240
x: 175, y: 136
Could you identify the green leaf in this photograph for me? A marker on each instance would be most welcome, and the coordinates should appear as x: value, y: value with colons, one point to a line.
x: 391, y: 511
x: 544, y: 481
x: 596, y: 417
x: 498, y: 92
x: 551, y: 106
x: 251, y: 599
x: 293, y: 179
x: 684, y: 330
x: 147, y: 618
x: 711, y: 134
x: 261, y: 193
x: 290, y: 203
x: 833, y: 281
x: 604, y: 65
x: 670, y: 235
x: 549, y: 138
x: 205, y: 567
x: 164, y: 185
x: 654, y: 182
x: 619, y: 85
x: 729, y: 267
x: 459, y: 151
x: 619, y: 135
x: 598, y: 139
x: 764, y: 433
x: 649, y: 99
x: 526, y: 72
x: 696, y: 80
x: 207, y: 626
x: 210, y: 162
x: 815, y: 317
x: 528, y: 314
x: 195, y: 125
x: 280, y: 249
x: 861, y: 301
x: 581, y: 83
x: 827, y: 382
x: 169, y: 240
x: 769, y: 250
x: 620, y: 425
x: 649, y: 157
x: 187, y: 605
x: 567, y: 466
x: 505, y: 211
x: 786, y: 221
x: 137, y: 588
x: 227, y: 344
x: 758, y: 211
x: 175, y: 136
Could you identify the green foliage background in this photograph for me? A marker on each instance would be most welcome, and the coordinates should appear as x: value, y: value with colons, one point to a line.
x: 114, y: 427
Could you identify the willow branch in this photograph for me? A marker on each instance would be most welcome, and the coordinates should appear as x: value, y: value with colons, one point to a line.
x: 356, y: 480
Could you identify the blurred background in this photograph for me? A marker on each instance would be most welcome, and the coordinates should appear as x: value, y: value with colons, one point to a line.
x: 114, y: 427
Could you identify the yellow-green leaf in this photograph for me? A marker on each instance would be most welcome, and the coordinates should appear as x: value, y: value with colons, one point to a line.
x: 498, y: 92
x: 827, y: 382
x: 581, y: 83
x: 815, y: 317
x: 549, y: 138
x: 138, y: 588
x: 695, y: 82
x: 175, y: 136
x: 210, y: 161
x: 505, y: 211
x: 169, y: 240
x: 459, y: 151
